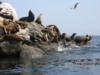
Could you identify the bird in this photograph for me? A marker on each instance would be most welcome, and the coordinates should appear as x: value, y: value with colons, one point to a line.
x: 29, y: 18
x: 75, y: 6
x: 38, y: 20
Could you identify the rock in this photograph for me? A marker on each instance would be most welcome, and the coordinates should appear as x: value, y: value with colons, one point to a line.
x: 35, y: 31
x: 20, y: 50
x: 30, y: 52
x: 7, y: 49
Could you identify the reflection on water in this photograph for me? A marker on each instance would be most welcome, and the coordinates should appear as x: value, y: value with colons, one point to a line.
x: 80, y: 61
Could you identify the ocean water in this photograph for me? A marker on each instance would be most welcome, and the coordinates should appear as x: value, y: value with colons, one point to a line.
x: 84, y: 60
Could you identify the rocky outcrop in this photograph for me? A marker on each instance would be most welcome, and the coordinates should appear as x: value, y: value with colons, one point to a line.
x: 26, y: 42
x: 29, y: 39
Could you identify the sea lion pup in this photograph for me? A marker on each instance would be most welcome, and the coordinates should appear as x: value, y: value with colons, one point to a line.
x: 7, y: 12
x: 38, y: 20
x: 29, y: 18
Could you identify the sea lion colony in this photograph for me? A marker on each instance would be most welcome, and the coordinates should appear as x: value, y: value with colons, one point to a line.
x: 27, y: 29
x: 51, y: 33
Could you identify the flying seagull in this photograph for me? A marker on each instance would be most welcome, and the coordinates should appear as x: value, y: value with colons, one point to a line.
x: 75, y: 6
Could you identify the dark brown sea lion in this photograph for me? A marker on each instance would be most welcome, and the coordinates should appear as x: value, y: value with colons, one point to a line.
x: 29, y: 18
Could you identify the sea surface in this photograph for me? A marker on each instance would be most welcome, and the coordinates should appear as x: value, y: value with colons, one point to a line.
x: 84, y: 60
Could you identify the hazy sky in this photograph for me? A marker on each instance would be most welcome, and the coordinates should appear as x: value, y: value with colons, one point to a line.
x: 85, y: 19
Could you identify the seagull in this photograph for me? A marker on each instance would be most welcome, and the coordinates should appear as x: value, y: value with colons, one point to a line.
x: 75, y: 6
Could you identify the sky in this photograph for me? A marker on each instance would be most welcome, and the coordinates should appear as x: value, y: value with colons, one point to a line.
x: 85, y: 19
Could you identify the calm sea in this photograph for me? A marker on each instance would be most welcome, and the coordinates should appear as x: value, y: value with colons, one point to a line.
x: 84, y: 60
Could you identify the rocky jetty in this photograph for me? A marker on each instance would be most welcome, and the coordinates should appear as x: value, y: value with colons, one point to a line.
x: 29, y: 39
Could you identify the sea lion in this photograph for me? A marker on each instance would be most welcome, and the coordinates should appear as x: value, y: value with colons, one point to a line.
x: 24, y: 33
x: 46, y: 35
x: 73, y: 36
x: 66, y: 40
x: 54, y: 33
x: 29, y: 18
x: 10, y: 26
x: 63, y: 36
x: 38, y: 20
x: 7, y: 11
x: 82, y: 40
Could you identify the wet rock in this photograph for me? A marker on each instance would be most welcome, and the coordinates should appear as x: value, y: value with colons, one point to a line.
x: 30, y: 52
x: 7, y: 49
